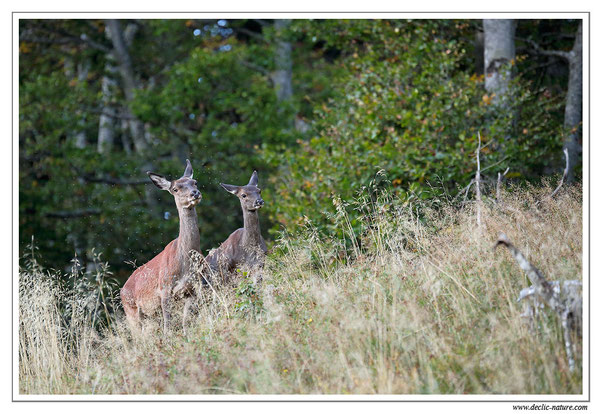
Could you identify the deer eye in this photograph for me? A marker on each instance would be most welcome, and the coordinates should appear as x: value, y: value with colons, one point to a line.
x: 244, y: 195
x: 175, y: 190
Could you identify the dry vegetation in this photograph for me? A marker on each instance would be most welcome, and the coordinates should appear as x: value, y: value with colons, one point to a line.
x: 412, y: 306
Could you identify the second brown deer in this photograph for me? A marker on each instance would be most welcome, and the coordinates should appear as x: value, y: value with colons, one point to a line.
x: 244, y: 248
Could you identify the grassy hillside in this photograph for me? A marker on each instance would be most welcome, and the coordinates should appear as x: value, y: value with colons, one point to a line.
x: 419, y: 303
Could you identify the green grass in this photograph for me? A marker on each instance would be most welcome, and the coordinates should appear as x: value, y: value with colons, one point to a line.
x: 413, y: 305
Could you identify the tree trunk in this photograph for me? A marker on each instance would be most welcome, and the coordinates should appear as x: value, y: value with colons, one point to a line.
x: 119, y: 40
x: 499, y: 53
x: 81, y: 75
x: 479, y: 52
x: 573, y: 107
x: 574, y: 97
x: 106, y: 123
x: 81, y: 140
x: 283, y: 76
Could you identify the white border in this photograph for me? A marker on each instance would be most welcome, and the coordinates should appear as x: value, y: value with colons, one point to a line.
x: 551, y: 399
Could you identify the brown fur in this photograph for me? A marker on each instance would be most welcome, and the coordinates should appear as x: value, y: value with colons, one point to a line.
x: 244, y: 247
x: 150, y: 287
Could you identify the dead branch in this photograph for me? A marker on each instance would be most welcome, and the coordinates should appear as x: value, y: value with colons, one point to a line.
x: 498, y: 187
x: 250, y: 33
x: 464, y: 192
x: 539, y: 50
x: 542, y: 287
x: 495, y: 163
x: 255, y: 67
x: 565, y: 299
x: 65, y: 38
x: 113, y: 181
x: 66, y: 214
x: 477, y: 181
x: 102, y: 179
x: 564, y: 175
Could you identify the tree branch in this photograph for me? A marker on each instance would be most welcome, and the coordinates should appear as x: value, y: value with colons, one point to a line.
x: 64, y: 39
x: 255, y: 67
x: 65, y: 214
x: 107, y: 179
x: 112, y: 115
x: 477, y: 181
x: 538, y: 49
x: 251, y: 33
x: 113, y: 181
x: 498, y: 187
x: 564, y: 298
x: 564, y: 175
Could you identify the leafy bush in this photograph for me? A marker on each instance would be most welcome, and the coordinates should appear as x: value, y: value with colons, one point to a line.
x: 405, y: 104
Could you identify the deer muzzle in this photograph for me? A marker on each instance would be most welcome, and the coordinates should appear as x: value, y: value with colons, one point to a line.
x: 195, y: 197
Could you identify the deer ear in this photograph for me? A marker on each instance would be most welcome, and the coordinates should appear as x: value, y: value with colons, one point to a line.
x: 253, y: 180
x: 230, y: 188
x: 159, y: 181
x: 188, y: 171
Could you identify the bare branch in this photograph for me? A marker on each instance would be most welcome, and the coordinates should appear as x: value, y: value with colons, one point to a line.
x: 64, y: 39
x: 541, y: 285
x: 538, y: 49
x: 255, y: 67
x: 564, y: 175
x: 498, y: 187
x: 112, y: 115
x: 74, y: 213
x: 477, y: 181
x: 564, y: 298
x: 251, y: 33
x: 86, y: 39
x: 465, y: 191
x: 107, y: 179
x: 113, y: 181
x: 494, y: 164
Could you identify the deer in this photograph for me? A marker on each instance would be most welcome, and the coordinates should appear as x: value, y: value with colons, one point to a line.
x: 245, y: 246
x: 150, y: 287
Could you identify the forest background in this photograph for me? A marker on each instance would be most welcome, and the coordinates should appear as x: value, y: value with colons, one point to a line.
x: 318, y: 107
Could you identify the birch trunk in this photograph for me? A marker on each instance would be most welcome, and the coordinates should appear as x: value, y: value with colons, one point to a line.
x: 573, y: 107
x: 499, y: 53
x: 283, y: 76
x: 118, y: 38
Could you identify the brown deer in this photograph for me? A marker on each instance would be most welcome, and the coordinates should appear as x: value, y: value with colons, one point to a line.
x: 150, y: 287
x: 245, y: 247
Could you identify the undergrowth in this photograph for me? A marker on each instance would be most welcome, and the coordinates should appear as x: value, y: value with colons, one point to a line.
x: 418, y: 302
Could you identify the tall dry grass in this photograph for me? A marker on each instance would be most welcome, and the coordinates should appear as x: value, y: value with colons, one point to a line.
x: 419, y: 303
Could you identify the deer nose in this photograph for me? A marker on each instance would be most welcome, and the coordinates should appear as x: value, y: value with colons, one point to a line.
x: 196, y: 194
x: 259, y: 202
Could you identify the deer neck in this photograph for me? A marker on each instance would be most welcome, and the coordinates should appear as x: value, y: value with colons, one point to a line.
x: 252, y: 234
x: 189, y: 238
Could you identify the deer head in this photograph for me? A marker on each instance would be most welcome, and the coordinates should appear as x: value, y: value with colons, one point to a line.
x: 184, y: 189
x: 249, y: 195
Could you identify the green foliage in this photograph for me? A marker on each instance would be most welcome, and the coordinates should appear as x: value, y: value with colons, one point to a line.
x: 402, y: 97
x: 405, y: 104
x: 249, y: 301
x: 199, y: 98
